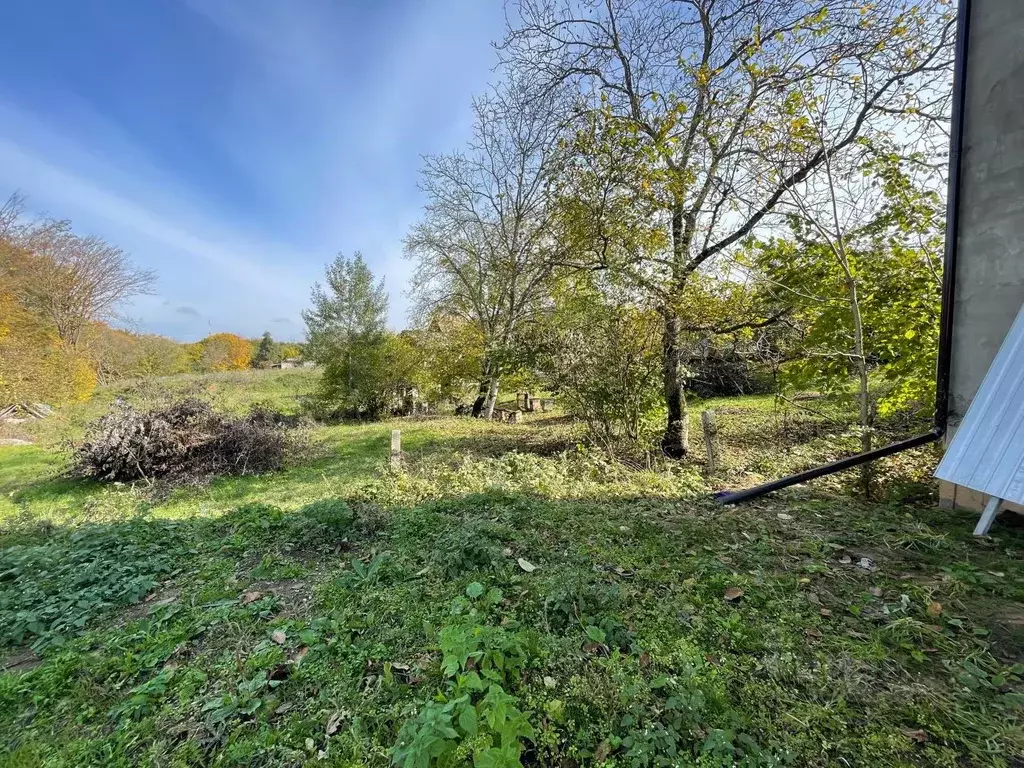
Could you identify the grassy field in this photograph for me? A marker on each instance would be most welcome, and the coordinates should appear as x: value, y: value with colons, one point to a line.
x: 507, y: 598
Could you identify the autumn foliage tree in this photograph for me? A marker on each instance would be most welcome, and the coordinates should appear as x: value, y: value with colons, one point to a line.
x: 67, y: 279
x: 224, y: 352
x: 120, y: 354
x: 54, y: 286
x: 34, y: 364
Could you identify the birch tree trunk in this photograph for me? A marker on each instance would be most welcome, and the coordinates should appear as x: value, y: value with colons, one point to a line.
x: 492, y: 397
x: 861, y: 364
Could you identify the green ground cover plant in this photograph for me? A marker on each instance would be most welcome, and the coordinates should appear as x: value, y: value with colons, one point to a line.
x: 504, y: 599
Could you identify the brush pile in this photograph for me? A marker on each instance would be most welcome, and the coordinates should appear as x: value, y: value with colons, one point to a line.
x: 186, y: 442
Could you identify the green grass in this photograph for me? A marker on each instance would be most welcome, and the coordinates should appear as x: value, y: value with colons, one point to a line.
x: 232, y: 392
x: 238, y: 626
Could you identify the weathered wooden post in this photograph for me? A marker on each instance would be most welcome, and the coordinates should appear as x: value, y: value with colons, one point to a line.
x: 528, y: 403
x: 707, y: 419
x: 396, y: 448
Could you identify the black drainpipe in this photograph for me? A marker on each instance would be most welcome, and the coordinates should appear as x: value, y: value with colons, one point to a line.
x: 941, y: 421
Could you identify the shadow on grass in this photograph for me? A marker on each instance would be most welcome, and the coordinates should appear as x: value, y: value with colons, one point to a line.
x: 930, y: 553
x: 543, y: 437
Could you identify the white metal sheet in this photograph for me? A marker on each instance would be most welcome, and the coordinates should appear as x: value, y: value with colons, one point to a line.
x: 987, y: 451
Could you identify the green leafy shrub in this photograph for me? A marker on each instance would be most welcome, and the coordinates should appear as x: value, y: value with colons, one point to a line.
x: 471, y: 545
x: 367, y: 573
x: 602, y: 356
x: 252, y: 524
x: 574, y: 598
x: 333, y: 515
x: 575, y: 601
x: 683, y: 717
x: 474, y: 718
x: 52, y: 590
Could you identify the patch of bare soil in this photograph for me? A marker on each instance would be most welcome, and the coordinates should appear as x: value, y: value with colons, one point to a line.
x: 295, y: 596
x: 21, y: 660
x: 153, y: 600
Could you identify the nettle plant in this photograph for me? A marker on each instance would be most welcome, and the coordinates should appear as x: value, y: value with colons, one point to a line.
x: 53, y: 590
x: 473, y: 718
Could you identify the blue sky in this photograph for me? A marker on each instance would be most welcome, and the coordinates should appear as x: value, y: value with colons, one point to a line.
x: 236, y: 145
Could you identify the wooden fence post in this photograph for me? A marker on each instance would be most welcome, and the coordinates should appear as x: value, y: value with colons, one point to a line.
x: 707, y: 419
x: 396, y: 448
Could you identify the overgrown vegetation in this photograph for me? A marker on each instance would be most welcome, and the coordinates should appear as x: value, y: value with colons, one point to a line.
x: 495, y: 606
x: 660, y: 202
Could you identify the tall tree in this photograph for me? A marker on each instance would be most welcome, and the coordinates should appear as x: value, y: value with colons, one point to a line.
x: 352, y: 305
x: 54, y: 287
x: 484, y: 249
x: 862, y: 270
x: 264, y: 352
x: 225, y: 352
x: 699, y: 94
x: 346, y: 332
x: 70, y: 280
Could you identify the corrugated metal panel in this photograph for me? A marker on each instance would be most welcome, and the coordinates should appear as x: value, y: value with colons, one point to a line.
x: 987, y: 451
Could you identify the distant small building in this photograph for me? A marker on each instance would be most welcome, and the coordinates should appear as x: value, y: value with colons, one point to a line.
x: 292, y: 362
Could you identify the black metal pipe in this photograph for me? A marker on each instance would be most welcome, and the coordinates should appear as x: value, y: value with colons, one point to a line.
x: 943, y: 364
x: 734, y: 497
x: 956, y: 148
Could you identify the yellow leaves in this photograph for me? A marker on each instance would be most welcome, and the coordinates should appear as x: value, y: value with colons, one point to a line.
x: 7, y: 307
x: 817, y: 18
x: 290, y: 350
x: 225, y: 352
x: 41, y: 368
x: 82, y: 379
x: 34, y: 364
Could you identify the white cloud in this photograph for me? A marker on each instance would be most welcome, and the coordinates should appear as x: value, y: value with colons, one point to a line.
x: 63, y: 190
x: 325, y: 110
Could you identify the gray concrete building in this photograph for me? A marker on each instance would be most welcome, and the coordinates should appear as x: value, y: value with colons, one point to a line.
x: 989, y: 287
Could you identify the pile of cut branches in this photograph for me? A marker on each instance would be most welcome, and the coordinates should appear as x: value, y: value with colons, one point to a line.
x: 185, y: 442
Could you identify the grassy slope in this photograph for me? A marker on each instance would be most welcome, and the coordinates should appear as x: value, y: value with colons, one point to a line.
x: 629, y: 650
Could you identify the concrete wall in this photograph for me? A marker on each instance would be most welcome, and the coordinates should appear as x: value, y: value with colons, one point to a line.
x: 990, y: 270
